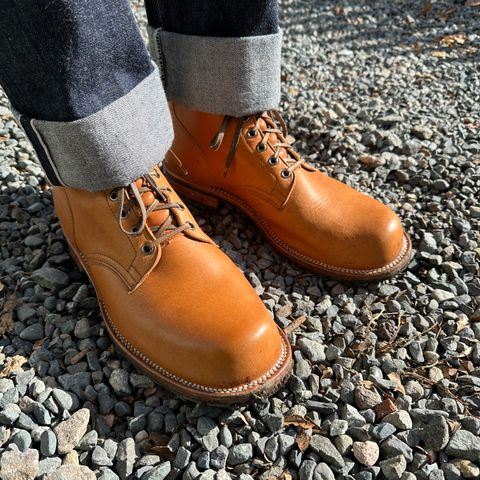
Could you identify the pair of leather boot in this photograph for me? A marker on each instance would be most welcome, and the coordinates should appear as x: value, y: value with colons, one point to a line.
x: 173, y: 303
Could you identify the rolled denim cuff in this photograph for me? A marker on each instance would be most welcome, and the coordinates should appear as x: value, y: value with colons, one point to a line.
x: 111, y: 147
x: 219, y: 75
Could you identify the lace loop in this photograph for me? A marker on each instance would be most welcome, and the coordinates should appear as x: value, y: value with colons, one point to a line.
x: 131, y: 197
x: 273, y: 120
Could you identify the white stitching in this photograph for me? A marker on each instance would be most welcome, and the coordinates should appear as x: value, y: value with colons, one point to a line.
x: 185, y: 382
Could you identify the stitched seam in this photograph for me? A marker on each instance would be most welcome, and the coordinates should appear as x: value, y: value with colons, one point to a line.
x: 295, y: 253
x: 187, y: 383
x: 265, y: 225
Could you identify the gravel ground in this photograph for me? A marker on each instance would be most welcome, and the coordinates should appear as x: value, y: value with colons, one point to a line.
x: 383, y: 95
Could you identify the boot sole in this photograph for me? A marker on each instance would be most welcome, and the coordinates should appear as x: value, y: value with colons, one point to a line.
x: 213, y: 196
x: 257, y: 389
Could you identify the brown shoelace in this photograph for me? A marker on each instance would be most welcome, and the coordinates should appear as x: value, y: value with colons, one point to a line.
x: 131, y: 197
x: 293, y: 161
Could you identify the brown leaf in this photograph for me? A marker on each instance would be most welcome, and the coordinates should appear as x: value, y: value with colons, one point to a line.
x: 327, y: 372
x: 302, y: 440
x: 427, y: 8
x: 298, y: 421
x: 384, y: 408
x: 454, y: 426
x: 439, y: 54
x: 370, y: 161
x: 395, y: 378
x: 6, y: 317
x: 472, y: 3
x: 444, y: 15
x: 453, y: 39
x: 294, y: 325
x: 367, y: 384
x: 11, y: 365
x: 76, y: 358
x: 462, y: 323
x: 285, y: 310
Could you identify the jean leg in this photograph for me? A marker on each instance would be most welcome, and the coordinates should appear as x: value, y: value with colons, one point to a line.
x: 218, y: 56
x: 81, y: 82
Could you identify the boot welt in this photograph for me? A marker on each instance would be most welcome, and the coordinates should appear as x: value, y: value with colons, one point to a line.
x: 254, y: 389
x: 212, y: 196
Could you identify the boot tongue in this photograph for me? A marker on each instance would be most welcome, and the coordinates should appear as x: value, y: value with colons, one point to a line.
x: 156, y: 218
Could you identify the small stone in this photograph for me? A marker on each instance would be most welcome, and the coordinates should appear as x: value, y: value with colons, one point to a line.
x: 338, y: 427
x: 9, y: 414
x: 323, y: 472
x: 72, y: 430
x: 383, y: 430
x: 158, y: 473
x: 48, y: 443
x: 182, y: 458
x: 218, y: 457
x: 100, y: 457
x: 464, y: 444
x: 70, y: 472
x: 125, y: 458
x: 422, y: 132
x: 366, y: 453
x: 24, y: 312
x: 48, y: 465
x: 88, y: 441
x: 50, y: 278
x: 399, y: 419
x: 467, y: 468
x: 15, y: 465
x: 394, y: 467
x: 314, y: 351
x: 366, y: 398
x: 394, y: 446
x: 71, y: 458
x: 442, y: 295
x: 22, y: 440
x: 32, y: 332
x: 326, y: 451
x: 119, y: 382
x: 239, y: 454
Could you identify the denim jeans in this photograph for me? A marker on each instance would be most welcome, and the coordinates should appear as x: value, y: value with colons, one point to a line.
x: 85, y: 89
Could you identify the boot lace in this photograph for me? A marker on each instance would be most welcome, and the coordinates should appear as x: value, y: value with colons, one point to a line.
x: 131, y: 198
x: 271, y: 117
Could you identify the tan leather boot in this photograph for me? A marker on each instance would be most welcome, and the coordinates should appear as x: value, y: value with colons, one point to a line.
x: 173, y: 303
x: 316, y: 221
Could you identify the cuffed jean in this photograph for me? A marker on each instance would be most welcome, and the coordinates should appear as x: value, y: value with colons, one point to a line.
x: 91, y: 100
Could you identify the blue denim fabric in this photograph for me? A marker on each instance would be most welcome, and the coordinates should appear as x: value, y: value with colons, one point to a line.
x: 63, y: 60
x: 214, y: 18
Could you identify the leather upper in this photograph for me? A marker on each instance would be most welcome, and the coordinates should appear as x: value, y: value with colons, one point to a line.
x: 312, y: 216
x: 185, y: 306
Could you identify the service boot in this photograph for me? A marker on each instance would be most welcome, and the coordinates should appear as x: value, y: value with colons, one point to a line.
x: 316, y: 221
x: 173, y: 303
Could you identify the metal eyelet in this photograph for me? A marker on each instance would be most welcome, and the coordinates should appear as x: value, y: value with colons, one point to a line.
x: 261, y: 147
x: 146, y: 249
x: 285, y: 173
x: 245, y: 119
x: 123, y: 214
x: 113, y: 195
x: 180, y: 207
x: 273, y: 161
x: 191, y: 226
x: 252, y: 133
x: 135, y: 229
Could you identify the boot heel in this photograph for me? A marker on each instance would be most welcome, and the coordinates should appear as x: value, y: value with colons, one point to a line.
x: 194, y: 195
